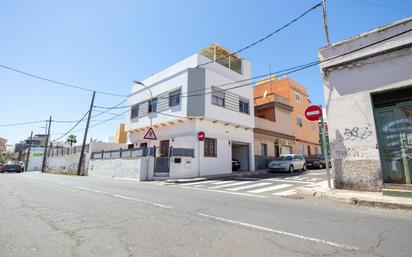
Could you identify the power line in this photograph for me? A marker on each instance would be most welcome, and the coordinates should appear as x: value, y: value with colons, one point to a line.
x: 59, y: 83
x: 71, y: 128
x: 267, y: 36
x: 108, y: 109
x: 281, y: 72
x: 381, y: 6
x: 22, y: 123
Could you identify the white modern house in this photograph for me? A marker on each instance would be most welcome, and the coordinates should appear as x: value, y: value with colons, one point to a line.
x: 196, y: 97
x: 368, y: 96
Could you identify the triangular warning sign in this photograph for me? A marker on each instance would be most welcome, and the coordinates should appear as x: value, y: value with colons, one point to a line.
x: 150, y: 135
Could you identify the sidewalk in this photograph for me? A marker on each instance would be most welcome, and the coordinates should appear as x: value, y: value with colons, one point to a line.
x: 220, y: 176
x: 361, y: 198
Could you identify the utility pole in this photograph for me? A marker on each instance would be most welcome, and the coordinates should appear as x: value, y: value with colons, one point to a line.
x: 43, y: 167
x: 28, y: 152
x: 325, y: 22
x: 79, y: 170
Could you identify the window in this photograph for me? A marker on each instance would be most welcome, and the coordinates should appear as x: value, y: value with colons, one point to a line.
x: 135, y: 112
x: 309, y: 151
x: 210, y: 148
x: 244, y: 106
x: 218, y: 97
x: 297, y: 97
x: 174, y: 98
x: 277, y: 151
x: 152, y: 105
x: 299, y: 121
x: 264, y: 149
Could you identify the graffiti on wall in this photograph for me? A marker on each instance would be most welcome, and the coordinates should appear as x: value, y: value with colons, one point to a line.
x: 357, y: 133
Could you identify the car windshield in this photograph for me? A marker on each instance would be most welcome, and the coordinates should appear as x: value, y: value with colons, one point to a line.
x: 285, y: 158
x: 317, y: 156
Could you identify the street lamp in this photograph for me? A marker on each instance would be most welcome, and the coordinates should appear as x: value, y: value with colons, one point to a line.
x: 151, y: 122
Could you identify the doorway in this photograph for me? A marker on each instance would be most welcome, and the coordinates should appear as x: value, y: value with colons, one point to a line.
x: 240, y: 152
x: 393, y: 120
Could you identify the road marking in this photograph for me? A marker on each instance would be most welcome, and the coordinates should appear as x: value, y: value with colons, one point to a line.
x: 266, y: 189
x: 143, y: 201
x: 249, y: 186
x: 280, y: 232
x: 289, y: 181
x: 232, y: 184
x: 222, y: 182
x: 286, y: 192
x: 198, y: 183
x: 225, y: 192
x: 125, y: 197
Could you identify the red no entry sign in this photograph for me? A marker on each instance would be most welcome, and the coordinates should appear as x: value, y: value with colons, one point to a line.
x: 313, y: 112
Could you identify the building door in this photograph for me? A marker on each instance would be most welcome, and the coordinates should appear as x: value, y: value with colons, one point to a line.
x: 394, y: 131
x: 162, y: 160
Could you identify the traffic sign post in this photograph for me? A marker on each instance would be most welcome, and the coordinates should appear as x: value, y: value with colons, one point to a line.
x: 313, y: 113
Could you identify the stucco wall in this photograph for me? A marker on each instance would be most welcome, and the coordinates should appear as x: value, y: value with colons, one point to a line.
x: 348, y: 84
x: 118, y: 168
x: 67, y: 164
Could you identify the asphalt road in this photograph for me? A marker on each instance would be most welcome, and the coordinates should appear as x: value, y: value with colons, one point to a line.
x: 53, y: 215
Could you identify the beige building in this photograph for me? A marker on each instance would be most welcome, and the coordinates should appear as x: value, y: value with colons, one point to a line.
x: 273, y: 133
x: 306, y: 132
x: 3, y: 142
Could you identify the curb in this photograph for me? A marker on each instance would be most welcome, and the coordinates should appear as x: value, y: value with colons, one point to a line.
x: 357, y: 201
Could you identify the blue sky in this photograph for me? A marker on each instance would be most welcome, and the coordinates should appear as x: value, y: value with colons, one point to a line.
x: 105, y: 45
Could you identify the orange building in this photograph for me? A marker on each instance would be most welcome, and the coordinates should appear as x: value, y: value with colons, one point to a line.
x: 306, y: 132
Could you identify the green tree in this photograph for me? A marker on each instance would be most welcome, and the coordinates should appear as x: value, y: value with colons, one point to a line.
x: 71, y: 139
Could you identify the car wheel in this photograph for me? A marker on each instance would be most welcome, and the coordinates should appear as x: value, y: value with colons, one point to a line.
x: 291, y: 169
x: 304, y: 167
x: 330, y: 165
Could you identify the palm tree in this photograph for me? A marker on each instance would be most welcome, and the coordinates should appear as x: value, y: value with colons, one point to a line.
x: 71, y: 139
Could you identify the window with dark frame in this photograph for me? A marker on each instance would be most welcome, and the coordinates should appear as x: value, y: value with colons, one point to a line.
x: 152, y: 105
x: 210, y: 147
x: 244, y: 106
x: 218, y: 97
x: 174, y: 98
x: 264, y: 149
x: 134, y: 112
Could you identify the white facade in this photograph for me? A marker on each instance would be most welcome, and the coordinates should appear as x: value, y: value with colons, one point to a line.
x: 180, y: 124
x: 351, y: 79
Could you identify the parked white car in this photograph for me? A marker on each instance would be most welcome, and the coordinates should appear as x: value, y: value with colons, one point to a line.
x: 288, y: 162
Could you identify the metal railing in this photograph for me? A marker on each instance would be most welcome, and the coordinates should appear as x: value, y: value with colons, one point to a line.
x: 141, y: 152
x: 63, y: 151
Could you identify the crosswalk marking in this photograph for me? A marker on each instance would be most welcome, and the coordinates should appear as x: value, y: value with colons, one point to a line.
x: 267, y: 189
x: 232, y: 184
x: 249, y: 186
x: 289, y: 181
x: 201, y: 182
x: 222, y: 182
x: 286, y: 192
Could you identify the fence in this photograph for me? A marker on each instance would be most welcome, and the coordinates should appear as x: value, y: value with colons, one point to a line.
x: 66, y: 151
x: 140, y: 152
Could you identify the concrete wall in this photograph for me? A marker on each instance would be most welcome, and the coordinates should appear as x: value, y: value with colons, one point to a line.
x: 348, y: 84
x: 118, y: 168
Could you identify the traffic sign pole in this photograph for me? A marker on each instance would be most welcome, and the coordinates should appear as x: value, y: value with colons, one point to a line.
x: 325, y: 149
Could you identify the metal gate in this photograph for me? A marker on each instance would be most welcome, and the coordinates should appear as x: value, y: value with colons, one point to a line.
x: 162, y: 160
x: 394, y: 131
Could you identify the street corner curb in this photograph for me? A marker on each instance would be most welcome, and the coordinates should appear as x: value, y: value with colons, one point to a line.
x: 310, y: 192
x: 382, y: 204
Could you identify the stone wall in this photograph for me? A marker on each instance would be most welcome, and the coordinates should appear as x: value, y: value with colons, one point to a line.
x: 361, y: 175
x: 66, y: 164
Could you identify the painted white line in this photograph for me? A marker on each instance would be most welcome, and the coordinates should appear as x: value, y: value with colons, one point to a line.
x: 222, y: 182
x: 267, y: 189
x: 286, y: 192
x: 125, y: 197
x: 91, y: 190
x: 289, y: 181
x: 280, y: 232
x: 198, y: 183
x: 225, y: 192
x: 143, y: 201
x: 232, y: 184
x: 249, y: 186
